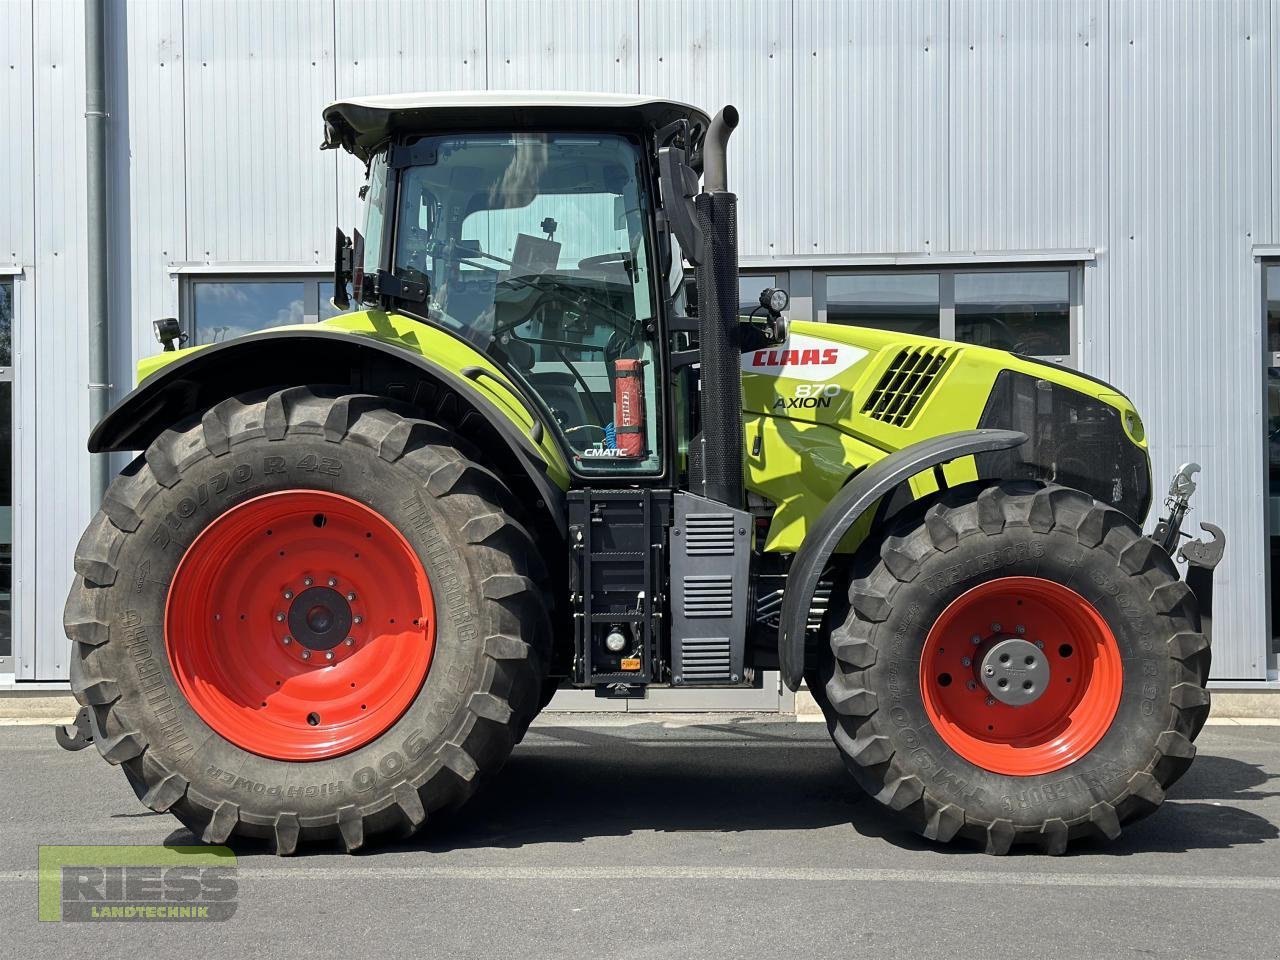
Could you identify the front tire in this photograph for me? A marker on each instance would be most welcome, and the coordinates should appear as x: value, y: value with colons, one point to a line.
x: 306, y: 616
x: 1017, y: 666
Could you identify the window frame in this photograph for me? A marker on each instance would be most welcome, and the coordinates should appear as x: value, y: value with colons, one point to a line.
x: 946, y: 274
x: 311, y: 281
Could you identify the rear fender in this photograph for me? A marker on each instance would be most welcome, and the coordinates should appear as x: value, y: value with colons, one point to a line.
x: 478, y: 409
x: 854, y: 499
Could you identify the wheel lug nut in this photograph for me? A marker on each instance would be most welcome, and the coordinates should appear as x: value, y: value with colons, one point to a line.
x: 991, y: 701
x: 357, y: 619
x: 328, y: 654
x: 971, y: 685
x: 1040, y: 644
x: 279, y: 618
x: 1020, y: 629
x: 995, y: 628
x: 990, y: 671
x: 306, y: 654
x: 307, y: 581
x: 975, y: 639
x: 351, y: 596
x: 333, y: 581
x: 288, y: 594
x: 287, y: 640
x: 350, y: 641
x: 966, y: 662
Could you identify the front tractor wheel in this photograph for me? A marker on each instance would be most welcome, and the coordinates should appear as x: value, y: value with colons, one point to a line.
x: 306, y: 617
x: 1017, y: 666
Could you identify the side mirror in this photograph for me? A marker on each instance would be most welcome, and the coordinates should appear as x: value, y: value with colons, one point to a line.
x: 342, y: 268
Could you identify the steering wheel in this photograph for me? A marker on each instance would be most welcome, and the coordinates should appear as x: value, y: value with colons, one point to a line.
x: 604, y: 260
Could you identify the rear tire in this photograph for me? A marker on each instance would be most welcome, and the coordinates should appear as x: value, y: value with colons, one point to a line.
x: 131, y: 665
x: 914, y: 742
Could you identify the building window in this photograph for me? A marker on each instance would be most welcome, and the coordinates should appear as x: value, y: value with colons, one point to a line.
x: 898, y: 302
x: 6, y: 471
x: 221, y: 308
x: 1021, y: 309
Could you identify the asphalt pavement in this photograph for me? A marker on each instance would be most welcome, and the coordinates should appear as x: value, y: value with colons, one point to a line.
x: 685, y: 838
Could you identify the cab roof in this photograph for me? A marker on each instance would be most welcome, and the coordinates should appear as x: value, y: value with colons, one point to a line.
x: 361, y: 124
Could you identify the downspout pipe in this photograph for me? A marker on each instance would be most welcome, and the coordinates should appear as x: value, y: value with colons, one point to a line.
x: 97, y: 280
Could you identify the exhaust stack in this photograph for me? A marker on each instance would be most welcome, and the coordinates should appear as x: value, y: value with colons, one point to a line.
x: 717, y: 213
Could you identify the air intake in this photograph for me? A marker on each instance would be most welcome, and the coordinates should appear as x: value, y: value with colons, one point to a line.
x: 905, y: 384
x: 708, y: 596
x: 707, y: 660
x: 709, y: 535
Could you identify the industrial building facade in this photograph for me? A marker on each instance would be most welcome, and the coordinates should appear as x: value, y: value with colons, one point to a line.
x: 1092, y: 181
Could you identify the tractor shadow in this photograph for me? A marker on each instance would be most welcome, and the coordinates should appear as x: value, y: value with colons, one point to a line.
x: 569, y: 784
x: 602, y: 783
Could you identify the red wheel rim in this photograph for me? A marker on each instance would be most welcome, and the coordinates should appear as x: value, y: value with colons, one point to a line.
x: 1073, y: 709
x: 300, y: 625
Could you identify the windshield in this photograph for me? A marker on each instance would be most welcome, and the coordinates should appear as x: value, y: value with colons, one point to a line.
x: 533, y: 249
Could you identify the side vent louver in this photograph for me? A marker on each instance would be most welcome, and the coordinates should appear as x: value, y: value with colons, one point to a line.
x: 905, y: 384
x: 706, y: 660
x: 708, y: 596
x: 709, y: 535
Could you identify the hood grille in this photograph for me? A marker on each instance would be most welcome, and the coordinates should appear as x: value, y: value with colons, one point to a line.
x: 906, y: 384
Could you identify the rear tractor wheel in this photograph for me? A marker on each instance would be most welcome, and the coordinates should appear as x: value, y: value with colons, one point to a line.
x: 1017, y: 666
x: 304, y: 617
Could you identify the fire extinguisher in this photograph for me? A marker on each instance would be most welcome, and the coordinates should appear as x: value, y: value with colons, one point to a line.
x: 628, y: 408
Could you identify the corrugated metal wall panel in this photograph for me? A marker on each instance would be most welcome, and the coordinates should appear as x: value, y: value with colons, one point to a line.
x: 1188, y: 178
x: 870, y: 123
x: 454, y: 59
x: 149, y: 206
x: 17, y: 212
x: 1028, y: 129
x: 711, y: 54
x: 564, y: 45
x: 257, y: 74
x: 1272, y: 122
x: 56, y: 364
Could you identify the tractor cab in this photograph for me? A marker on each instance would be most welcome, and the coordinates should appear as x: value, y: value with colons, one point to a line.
x: 523, y: 224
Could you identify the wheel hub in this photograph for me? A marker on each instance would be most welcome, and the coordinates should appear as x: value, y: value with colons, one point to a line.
x: 1015, y: 672
x: 320, y: 618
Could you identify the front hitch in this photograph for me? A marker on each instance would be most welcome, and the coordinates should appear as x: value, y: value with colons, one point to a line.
x: 1201, y: 556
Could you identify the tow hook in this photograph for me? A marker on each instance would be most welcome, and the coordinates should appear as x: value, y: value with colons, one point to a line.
x: 79, y: 734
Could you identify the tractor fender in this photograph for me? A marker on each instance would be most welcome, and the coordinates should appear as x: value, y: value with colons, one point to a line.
x: 854, y: 499
x: 203, y: 378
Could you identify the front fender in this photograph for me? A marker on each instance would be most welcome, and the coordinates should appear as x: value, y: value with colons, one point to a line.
x: 854, y: 499
x: 325, y: 355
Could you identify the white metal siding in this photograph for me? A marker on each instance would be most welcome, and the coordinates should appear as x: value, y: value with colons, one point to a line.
x: 1027, y: 107
x: 922, y: 127
x: 54, y: 375
x: 712, y: 54
x: 1188, y: 178
x: 257, y: 74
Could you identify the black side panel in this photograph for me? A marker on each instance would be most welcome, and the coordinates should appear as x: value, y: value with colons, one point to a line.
x: 710, y: 578
x: 857, y: 496
x: 1072, y: 439
x: 718, y: 342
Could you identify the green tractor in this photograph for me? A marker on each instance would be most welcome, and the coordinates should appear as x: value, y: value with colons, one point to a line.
x: 354, y: 559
